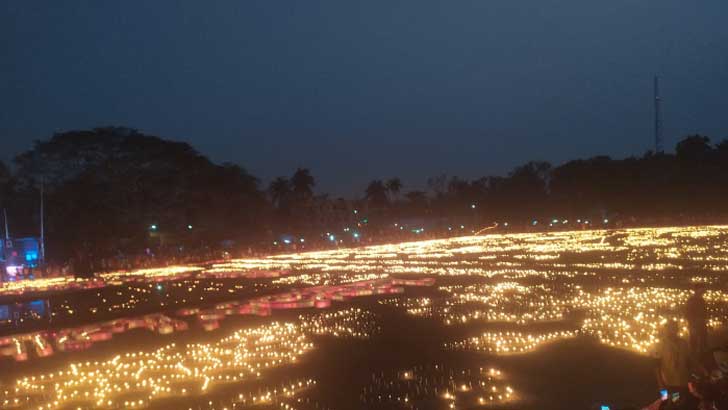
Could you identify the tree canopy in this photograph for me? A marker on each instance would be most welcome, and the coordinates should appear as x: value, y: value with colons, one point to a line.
x: 117, y: 190
x: 108, y: 186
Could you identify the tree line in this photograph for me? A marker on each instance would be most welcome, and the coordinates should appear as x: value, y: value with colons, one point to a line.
x: 116, y: 190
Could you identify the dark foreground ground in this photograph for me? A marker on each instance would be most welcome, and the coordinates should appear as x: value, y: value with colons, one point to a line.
x: 571, y: 374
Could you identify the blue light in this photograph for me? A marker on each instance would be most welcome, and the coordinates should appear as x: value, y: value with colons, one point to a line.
x: 356, y: 234
x: 332, y: 238
x: 287, y: 241
x: 153, y: 227
x: 31, y: 256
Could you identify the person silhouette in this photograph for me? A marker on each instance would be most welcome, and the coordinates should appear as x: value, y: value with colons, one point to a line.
x: 696, y: 314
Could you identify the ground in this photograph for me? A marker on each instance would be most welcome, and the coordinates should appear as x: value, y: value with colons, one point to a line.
x: 524, y: 321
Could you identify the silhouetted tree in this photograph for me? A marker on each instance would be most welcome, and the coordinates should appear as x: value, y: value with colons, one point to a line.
x: 416, y: 204
x: 693, y: 148
x: 394, y: 186
x: 279, y: 191
x: 114, y: 183
x: 525, y: 190
x: 5, y: 177
x: 376, y: 194
x: 438, y: 185
x: 302, y: 184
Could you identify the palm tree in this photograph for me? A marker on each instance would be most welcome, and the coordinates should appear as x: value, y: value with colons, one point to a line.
x: 394, y: 186
x: 376, y: 193
x: 279, y: 190
x: 302, y: 183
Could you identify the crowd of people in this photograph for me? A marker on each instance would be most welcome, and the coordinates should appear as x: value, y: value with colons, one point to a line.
x: 690, y: 374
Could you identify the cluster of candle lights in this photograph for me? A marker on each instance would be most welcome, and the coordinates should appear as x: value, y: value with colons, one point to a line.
x: 134, y: 380
x: 83, y: 337
x: 351, y: 322
x: 617, y: 286
x: 509, y: 342
x: 433, y: 386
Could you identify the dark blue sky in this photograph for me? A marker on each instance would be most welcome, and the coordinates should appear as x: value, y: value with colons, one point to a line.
x: 357, y: 90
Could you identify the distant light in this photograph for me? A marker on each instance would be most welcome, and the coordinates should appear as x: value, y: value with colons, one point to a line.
x: 578, y: 221
x: 160, y: 287
x: 401, y: 227
x: 606, y: 221
x: 286, y: 241
x: 189, y: 227
x: 356, y: 234
x: 332, y: 238
x: 275, y: 242
x: 534, y: 222
x: 555, y: 221
x: 356, y: 211
x: 472, y: 206
x: 346, y: 229
x: 565, y: 221
x: 302, y: 240
x: 505, y: 223
x: 395, y: 224
x: 462, y: 226
x: 153, y: 227
x: 449, y: 228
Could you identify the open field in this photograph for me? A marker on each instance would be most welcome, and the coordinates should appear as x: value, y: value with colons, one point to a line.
x: 521, y: 321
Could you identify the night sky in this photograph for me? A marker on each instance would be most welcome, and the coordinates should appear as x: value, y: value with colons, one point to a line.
x: 357, y: 90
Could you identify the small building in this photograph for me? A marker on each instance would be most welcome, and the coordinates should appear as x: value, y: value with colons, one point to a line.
x: 17, y: 254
